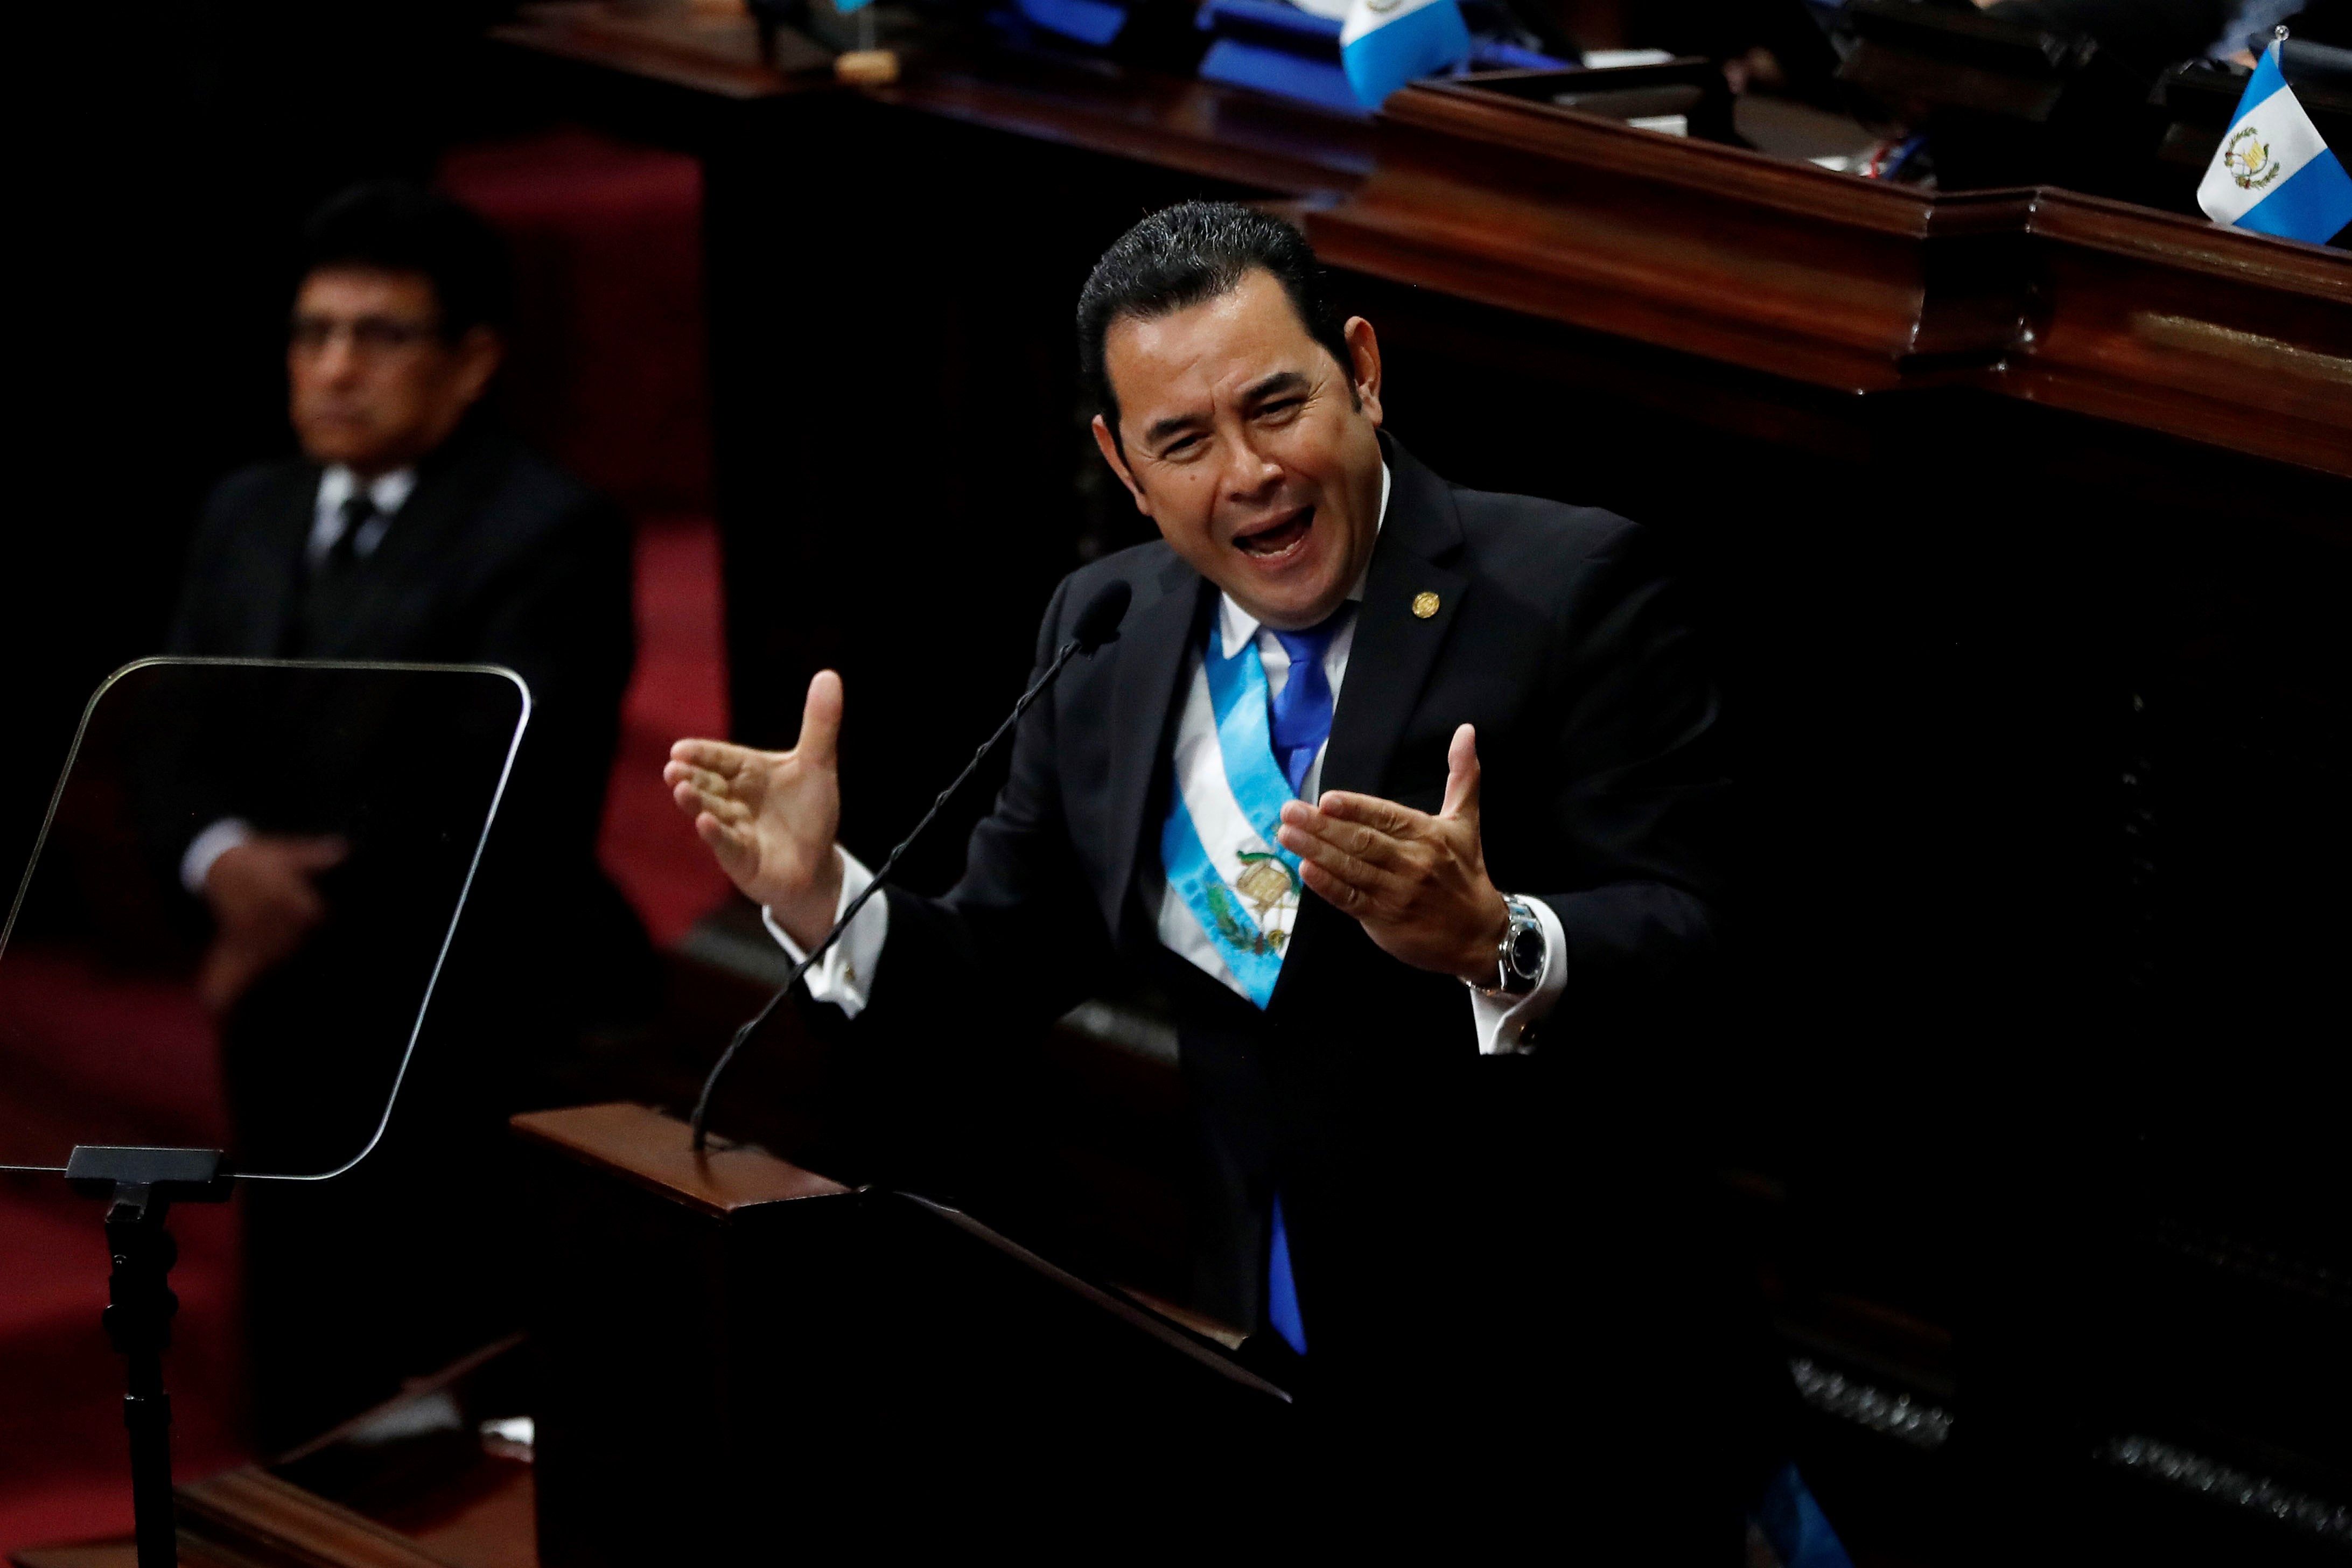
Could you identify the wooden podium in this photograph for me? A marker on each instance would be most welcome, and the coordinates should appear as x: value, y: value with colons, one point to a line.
x: 733, y: 1354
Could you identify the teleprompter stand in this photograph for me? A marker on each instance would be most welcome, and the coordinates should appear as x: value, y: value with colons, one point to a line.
x: 139, y: 1187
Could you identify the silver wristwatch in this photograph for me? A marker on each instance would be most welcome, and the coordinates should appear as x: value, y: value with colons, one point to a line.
x: 1519, y: 956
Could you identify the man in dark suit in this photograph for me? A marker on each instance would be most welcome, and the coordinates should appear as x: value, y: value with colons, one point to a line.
x: 409, y: 529
x: 1410, y: 798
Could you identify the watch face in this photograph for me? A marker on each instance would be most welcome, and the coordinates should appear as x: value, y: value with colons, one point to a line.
x: 1527, y: 951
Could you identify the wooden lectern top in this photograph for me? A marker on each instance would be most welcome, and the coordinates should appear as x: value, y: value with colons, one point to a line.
x: 652, y: 1151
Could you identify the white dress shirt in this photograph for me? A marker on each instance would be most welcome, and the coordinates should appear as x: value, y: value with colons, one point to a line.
x: 843, y: 976
x: 389, y: 493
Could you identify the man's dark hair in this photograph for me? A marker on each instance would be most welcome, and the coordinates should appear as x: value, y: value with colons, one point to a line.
x: 398, y: 225
x: 1184, y: 255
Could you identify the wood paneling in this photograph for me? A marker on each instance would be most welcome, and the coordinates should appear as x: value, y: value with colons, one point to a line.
x: 2232, y: 339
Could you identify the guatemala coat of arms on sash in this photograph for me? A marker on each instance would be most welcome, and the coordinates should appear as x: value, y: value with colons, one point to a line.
x: 1218, y: 846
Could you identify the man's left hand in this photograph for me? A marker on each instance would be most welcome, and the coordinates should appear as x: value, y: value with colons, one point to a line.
x: 1416, y: 883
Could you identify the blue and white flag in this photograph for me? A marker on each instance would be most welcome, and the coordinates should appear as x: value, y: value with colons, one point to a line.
x: 2273, y: 173
x: 1385, y: 44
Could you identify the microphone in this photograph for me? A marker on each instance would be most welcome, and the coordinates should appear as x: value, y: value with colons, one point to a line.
x: 1098, y: 622
x: 1097, y: 626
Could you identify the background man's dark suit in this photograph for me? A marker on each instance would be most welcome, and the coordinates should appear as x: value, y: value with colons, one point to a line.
x: 1500, y: 1239
x: 496, y: 557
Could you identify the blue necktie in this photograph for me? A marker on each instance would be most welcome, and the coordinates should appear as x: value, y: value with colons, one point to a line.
x: 1281, y: 1289
x: 1300, y: 719
x: 1300, y: 713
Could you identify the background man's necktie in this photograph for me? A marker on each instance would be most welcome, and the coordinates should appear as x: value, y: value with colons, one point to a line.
x: 345, y: 553
x: 325, y: 603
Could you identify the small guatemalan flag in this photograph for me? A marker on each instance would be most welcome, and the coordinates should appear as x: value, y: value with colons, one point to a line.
x: 1385, y: 44
x: 2273, y: 173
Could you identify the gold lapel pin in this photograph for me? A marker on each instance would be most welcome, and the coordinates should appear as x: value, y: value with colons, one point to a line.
x: 1424, y: 605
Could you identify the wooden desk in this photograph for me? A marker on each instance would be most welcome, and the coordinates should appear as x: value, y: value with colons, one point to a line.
x: 733, y: 1354
x: 2153, y: 320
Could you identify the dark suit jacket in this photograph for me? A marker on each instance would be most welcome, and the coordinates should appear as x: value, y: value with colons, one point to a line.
x: 1435, y: 1199
x: 497, y: 557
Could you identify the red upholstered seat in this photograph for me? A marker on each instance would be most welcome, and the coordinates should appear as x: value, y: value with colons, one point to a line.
x: 608, y: 376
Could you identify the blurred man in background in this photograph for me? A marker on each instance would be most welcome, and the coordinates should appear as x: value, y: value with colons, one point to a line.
x: 409, y: 529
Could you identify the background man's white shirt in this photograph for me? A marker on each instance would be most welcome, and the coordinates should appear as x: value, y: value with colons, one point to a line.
x: 389, y: 493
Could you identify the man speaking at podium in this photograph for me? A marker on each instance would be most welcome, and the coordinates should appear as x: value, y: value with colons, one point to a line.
x: 1409, y: 797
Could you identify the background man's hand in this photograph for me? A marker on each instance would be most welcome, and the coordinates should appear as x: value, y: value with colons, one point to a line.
x: 771, y: 816
x: 1416, y: 883
x: 263, y: 907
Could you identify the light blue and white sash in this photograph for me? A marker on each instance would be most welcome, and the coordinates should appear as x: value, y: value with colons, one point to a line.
x: 1218, y: 847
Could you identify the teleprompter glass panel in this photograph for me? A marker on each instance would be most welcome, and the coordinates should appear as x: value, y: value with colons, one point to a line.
x: 236, y: 915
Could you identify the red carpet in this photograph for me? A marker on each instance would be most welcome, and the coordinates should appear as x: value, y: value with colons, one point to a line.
x: 607, y: 376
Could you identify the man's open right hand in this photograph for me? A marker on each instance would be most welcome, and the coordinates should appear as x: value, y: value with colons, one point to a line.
x: 771, y: 816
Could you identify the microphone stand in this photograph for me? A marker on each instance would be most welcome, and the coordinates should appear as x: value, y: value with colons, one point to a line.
x: 1061, y: 656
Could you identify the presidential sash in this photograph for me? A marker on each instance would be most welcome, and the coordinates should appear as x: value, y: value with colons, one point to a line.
x: 1218, y: 847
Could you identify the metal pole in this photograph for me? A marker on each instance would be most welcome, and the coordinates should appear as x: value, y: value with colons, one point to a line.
x: 139, y: 1320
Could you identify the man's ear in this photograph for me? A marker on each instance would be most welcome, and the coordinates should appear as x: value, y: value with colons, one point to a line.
x: 1364, y: 351
x: 479, y: 353
x: 1109, y: 449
